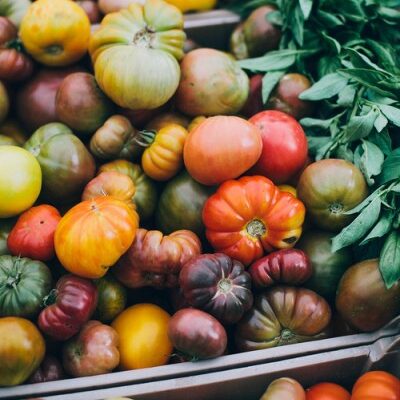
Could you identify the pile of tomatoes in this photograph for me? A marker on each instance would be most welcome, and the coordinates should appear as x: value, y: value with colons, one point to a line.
x: 149, y: 212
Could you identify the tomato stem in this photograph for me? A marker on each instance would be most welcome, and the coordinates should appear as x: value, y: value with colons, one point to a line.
x: 50, y: 298
x: 145, y: 138
x: 256, y: 228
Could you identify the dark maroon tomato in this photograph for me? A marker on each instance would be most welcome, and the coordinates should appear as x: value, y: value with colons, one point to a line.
x: 283, y: 315
x: 285, y: 97
x: 91, y: 9
x: 36, y: 100
x: 330, y: 188
x: 217, y: 284
x: 176, y: 299
x: 254, y: 103
x: 50, y: 370
x: 81, y: 104
x: 288, y: 266
x: 196, y: 334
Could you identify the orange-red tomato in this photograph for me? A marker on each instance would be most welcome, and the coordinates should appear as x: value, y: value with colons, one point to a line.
x: 327, y: 391
x: 376, y: 385
x: 221, y: 148
x: 251, y: 215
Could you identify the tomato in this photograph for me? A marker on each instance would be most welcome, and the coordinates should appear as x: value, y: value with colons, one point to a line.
x: 66, y: 164
x: 81, y: 104
x: 285, y: 146
x: 143, y: 335
x: 196, y: 334
x: 327, y: 391
x: 165, y: 119
x: 25, y: 283
x: 14, y: 130
x: 20, y: 180
x: 149, y: 38
x: 195, y: 122
x: 163, y: 157
x: 33, y: 234
x: 109, y: 6
x: 283, y: 315
x: 212, y: 83
x: 116, y: 139
x: 254, y: 103
x: 328, y: 267
x: 4, y: 102
x: 55, y: 32
x: 50, y: 370
x: 6, y: 224
x: 256, y: 35
x: 155, y: 259
x: 330, y: 188
x: 145, y: 196
x: 221, y: 148
x: 22, y: 349
x: 284, y: 388
x: 181, y: 204
x: 91, y: 9
x: 193, y: 5
x: 94, y: 234
x: 357, y: 297
x: 376, y: 385
x: 248, y: 216
x: 14, y: 10
x: 288, y: 189
x: 111, y: 298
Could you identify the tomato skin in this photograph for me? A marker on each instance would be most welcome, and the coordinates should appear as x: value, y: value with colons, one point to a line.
x: 50, y: 370
x: 327, y: 391
x: 33, y: 234
x: 376, y: 385
x: 193, y: 5
x: 284, y: 389
x: 143, y: 336
x: 285, y: 147
x: 248, y: 216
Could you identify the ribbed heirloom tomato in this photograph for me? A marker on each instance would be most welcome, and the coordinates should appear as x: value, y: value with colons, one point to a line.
x: 376, y: 385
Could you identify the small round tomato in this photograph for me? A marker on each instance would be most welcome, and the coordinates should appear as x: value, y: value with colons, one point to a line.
x: 285, y: 146
x: 284, y: 389
x: 327, y: 391
x: 143, y: 335
x: 376, y: 385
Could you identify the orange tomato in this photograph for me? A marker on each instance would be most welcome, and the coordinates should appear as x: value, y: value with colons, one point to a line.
x: 143, y: 336
x: 163, y: 158
x: 288, y: 189
x: 55, y: 32
x: 376, y: 385
x: 327, y: 391
x: 94, y: 234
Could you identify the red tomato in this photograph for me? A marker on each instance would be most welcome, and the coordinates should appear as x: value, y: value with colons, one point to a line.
x: 376, y: 385
x: 327, y: 391
x: 285, y: 146
x: 33, y: 234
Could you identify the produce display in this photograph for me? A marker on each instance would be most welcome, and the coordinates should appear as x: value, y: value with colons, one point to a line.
x: 163, y: 205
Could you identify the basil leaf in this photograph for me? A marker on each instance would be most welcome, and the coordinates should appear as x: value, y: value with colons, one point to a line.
x: 306, y: 7
x: 275, y: 17
x: 297, y: 25
x: 346, y: 96
x: 344, y: 152
x: 382, y: 140
x: 389, y: 262
x: 384, y: 53
x: 359, y: 60
x: 360, y: 126
x: 365, y: 202
x: 317, y: 142
x: 329, y: 20
x: 323, y: 124
x: 369, y: 158
x: 383, y: 226
x: 333, y: 44
x: 359, y: 227
x: 381, y: 122
x: 390, y: 168
x: 327, y: 87
x: 352, y: 10
x: 391, y: 113
x: 269, y: 82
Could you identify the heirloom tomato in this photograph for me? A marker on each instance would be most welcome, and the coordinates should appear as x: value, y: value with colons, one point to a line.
x: 33, y: 234
x: 284, y: 389
x: 149, y: 40
x: 217, y: 284
x: 14, y: 9
x: 248, y: 216
x: 6, y: 225
x: 212, y: 83
x: 166, y: 119
x: 49, y: 370
x: 327, y: 391
x: 91, y: 9
x: 287, y: 266
x: 196, y: 334
x: 7, y: 141
x: 20, y: 180
x: 254, y: 103
x: 163, y: 157
x: 363, y: 300
x: 94, y: 234
x: 376, y: 385
x: 155, y: 259
x: 55, y: 32
x: 4, y: 102
x: 145, y: 196
x: 193, y: 5
x: 22, y: 349
x: 283, y: 315
x: 221, y: 148
x: 285, y: 148
x: 14, y: 130
x: 66, y: 164
x: 330, y: 188
x: 181, y: 204
x: 68, y: 307
x: 143, y: 336
x: 24, y: 284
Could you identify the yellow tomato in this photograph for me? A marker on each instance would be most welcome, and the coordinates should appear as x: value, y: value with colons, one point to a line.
x: 193, y: 5
x: 4, y: 102
x: 165, y: 119
x: 55, y: 32
x: 20, y: 180
x: 288, y: 189
x: 143, y: 336
x: 195, y: 122
x: 163, y: 157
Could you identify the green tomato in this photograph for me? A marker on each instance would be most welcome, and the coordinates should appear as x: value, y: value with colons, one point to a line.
x: 5, y: 228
